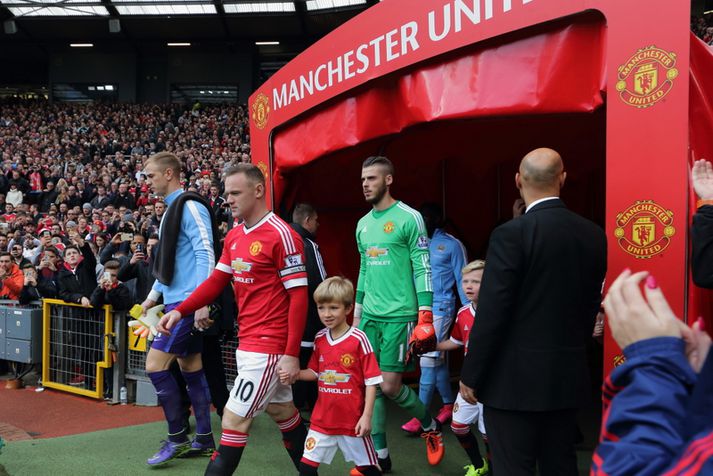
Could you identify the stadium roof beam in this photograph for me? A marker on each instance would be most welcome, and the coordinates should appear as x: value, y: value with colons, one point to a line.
x: 115, y: 14
x: 220, y: 10
x: 301, y: 9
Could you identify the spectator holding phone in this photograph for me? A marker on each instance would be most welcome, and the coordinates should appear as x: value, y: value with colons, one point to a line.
x: 44, y: 242
x: 77, y: 278
x: 29, y: 291
x: 16, y: 251
x: 41, y: 282
x: 110, y: 290
x: 138, y: 267
x: 119, y: 246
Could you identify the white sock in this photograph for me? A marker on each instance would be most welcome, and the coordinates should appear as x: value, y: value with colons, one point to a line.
x: 382, y: 453
x: 432, y: 426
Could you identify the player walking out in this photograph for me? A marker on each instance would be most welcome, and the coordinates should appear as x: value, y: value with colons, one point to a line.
x: 264, y: 259
x: 186, y: 243
x: 448, y: 256
x: 393, y: 291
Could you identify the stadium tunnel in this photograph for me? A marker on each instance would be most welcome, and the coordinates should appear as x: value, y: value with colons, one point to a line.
x: 456, y: 128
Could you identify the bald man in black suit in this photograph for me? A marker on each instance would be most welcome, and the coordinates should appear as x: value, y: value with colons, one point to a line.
x: 539, y: 298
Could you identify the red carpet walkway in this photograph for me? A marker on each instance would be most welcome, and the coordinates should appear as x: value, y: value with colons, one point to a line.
x: 25, y: 413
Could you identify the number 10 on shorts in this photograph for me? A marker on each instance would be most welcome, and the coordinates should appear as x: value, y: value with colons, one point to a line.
x: 243, y: 390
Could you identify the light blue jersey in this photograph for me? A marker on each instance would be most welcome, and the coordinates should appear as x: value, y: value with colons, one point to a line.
x: 448, y: 257
x: 195, y: 258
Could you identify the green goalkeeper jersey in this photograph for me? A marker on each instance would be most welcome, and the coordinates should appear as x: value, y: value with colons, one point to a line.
x: 395, y: 271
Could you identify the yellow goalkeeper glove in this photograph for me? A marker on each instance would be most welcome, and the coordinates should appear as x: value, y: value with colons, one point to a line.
x: 145, y: 324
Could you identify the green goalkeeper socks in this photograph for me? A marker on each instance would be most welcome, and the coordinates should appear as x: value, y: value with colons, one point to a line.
x: 409, y: 401
x: 378, y: 421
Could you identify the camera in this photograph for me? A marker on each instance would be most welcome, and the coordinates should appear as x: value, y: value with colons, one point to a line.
x: 127, y: 236
x: 140, y: 248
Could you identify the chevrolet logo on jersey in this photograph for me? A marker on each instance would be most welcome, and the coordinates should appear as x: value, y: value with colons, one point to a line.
x: 331, y: 377
x: 376, y: 252
x: 239, y: 265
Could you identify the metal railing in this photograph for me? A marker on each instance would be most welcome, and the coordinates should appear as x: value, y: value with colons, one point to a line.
x: 229, y: 365
x: 77, y: 347
x: 92, y: 352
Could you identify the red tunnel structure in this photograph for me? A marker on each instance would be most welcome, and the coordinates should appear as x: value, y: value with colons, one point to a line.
x: 456, y: 92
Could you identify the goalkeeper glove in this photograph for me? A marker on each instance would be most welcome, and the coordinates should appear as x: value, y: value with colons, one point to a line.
x: 423, y: 338
x: 145, y: 324
x: 425, y: 315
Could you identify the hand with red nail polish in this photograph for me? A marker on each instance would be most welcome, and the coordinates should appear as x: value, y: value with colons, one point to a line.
x: 634, y: 316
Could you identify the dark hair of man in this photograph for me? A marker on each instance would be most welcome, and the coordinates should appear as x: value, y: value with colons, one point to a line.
x: 253, y: 173
x: 166, y: 160
x: 112, y: 264
x: 302, y: 212
x: 72, y: 247
x: 434, y: 210
x: 153, y: 236
x: 379, y: 160
x: 5, y: 253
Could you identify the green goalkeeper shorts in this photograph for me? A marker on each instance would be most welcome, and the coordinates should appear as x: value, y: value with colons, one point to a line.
x: 390, y: 343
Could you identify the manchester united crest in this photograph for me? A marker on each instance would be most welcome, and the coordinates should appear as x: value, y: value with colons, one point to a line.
x: 255, y: 248
x: 261, y: 111
x: 646, y: 77
x: 644, y: 229
x: 310, y: 443
x: 347, y: 360
x: 389, y: 227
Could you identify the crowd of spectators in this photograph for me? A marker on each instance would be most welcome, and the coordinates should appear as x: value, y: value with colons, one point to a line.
x: 78, y: 216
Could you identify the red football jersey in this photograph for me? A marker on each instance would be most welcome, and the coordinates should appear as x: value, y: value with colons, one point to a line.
x: 265, y: 261
x: 344, y: 368
x: 463, y: 325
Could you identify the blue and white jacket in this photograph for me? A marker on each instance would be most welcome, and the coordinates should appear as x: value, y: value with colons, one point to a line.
x: 658, y: 414
x: 195, y: 257
x: 448, y: 257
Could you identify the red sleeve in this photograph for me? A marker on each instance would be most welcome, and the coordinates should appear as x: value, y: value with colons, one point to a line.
x: 370, y: 367
x: 288, y: 256
x: 206, y: 293
x: 296, y: 319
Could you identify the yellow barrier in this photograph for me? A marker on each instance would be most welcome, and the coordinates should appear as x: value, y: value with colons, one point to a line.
x: 47, y: 306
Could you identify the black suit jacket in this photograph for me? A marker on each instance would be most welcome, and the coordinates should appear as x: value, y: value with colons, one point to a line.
x: 538, y: 301
x: 315, y: 275
x: 702, y: 247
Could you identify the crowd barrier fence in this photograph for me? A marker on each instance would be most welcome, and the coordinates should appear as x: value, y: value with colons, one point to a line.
x: 77, y: 347
x: 91, y: 351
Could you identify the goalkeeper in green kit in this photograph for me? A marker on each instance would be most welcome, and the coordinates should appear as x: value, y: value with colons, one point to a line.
x: 393, y: 293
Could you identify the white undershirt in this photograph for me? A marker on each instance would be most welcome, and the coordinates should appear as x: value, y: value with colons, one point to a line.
x: 539, y: 201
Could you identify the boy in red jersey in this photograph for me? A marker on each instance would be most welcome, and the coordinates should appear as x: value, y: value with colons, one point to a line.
x: 264, y: 259
x: 464, y: 413
x: 344, y: 364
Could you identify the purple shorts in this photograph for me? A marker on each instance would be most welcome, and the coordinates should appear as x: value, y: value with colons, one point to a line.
x: 184, y: 339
